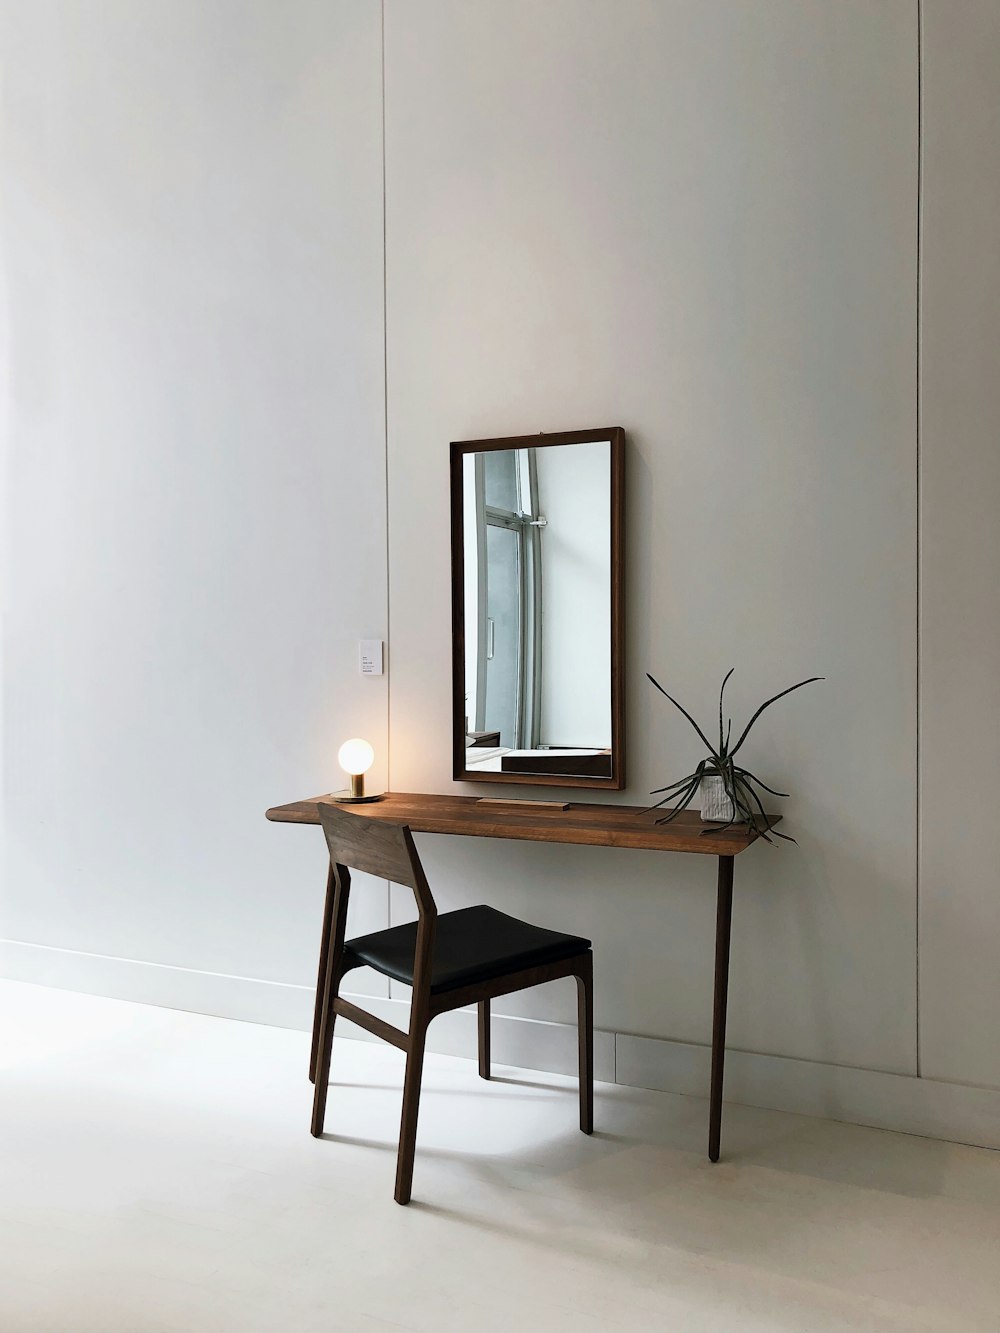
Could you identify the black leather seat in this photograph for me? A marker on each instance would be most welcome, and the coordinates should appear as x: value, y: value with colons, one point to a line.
x: 470, y: 945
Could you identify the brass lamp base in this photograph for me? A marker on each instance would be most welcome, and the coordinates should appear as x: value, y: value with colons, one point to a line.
x: 348, y: 798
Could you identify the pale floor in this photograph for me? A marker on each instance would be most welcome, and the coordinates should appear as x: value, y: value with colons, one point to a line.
x: 156, y: 1173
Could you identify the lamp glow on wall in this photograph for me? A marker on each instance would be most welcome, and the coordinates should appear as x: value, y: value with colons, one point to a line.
x: 356, y: 757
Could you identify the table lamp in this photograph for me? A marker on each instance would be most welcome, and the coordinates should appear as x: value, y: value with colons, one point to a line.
x: 355, y: 757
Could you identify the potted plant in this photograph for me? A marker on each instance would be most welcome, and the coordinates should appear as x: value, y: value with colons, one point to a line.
x: 727, y: 791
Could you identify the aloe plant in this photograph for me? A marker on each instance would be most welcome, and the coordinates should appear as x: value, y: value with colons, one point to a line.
x: 739, y: 783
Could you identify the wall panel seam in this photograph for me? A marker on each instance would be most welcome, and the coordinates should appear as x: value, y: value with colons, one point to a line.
x: 385, y: 445
x: 919, y: 553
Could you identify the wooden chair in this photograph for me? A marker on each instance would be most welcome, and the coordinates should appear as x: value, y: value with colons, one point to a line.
x: 450, y: 959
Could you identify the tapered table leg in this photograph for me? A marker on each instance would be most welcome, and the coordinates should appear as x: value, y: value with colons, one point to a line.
x: 324, y: 963
x: 484, y: 1038
x: 723, y: 928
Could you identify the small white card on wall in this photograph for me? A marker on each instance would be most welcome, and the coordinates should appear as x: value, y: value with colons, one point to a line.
x: 370, y: 657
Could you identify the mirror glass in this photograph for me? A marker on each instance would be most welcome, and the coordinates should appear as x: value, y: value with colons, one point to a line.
x: 536, y: 610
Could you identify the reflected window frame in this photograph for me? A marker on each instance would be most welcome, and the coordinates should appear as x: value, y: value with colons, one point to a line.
x: 525, y: 522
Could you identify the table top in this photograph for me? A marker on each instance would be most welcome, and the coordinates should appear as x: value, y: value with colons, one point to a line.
x: 581, y: 822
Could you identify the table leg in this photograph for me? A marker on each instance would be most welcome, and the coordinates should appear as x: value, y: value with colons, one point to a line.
x: 324, y: 963
x: 723, y: 926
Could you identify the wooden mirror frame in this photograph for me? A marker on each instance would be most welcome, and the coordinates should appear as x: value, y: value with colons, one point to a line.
x: 616, y: 436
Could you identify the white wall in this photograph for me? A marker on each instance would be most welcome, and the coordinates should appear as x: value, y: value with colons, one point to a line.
x: 695, y: 218
x: 193, y: 511
x: 698, y: 220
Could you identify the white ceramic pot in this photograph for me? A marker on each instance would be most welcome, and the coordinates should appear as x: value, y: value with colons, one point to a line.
x: 716, y: 806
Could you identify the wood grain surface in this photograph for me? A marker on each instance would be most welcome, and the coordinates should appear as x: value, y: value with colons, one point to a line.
x: 581, y: 823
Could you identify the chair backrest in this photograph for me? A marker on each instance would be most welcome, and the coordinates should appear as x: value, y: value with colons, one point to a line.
x: 378, y: 848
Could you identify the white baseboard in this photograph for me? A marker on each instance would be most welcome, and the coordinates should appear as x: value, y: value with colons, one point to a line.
x: 957, y: 1112
x: 951, y: 1111
x: 245, y: 998
x: 528, y: 1043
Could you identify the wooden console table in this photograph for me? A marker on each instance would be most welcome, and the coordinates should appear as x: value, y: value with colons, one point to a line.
x: 583, y: 824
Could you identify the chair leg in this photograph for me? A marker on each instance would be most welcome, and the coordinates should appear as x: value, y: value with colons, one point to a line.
x: 411, y: 1106
x: 585, y: 1034
x: 324, y: 1048
x: 484, y: 1038
x: 331, y: 970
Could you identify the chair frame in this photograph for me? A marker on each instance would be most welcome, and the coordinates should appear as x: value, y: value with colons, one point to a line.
x: 388, y: 851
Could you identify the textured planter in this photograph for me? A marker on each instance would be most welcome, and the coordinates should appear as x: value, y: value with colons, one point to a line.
x: 716, y: 806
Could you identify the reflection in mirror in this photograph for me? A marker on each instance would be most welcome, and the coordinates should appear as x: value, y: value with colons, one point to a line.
x: 538, y: 587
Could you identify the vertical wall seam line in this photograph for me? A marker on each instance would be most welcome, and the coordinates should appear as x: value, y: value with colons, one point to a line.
x: 919, y: 571
x: 385, y: 441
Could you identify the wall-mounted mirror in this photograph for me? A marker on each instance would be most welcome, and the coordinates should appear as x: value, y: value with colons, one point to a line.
x: 538, y: 608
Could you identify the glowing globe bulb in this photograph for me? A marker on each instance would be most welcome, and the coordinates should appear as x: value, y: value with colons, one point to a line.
x: 355, y: 756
